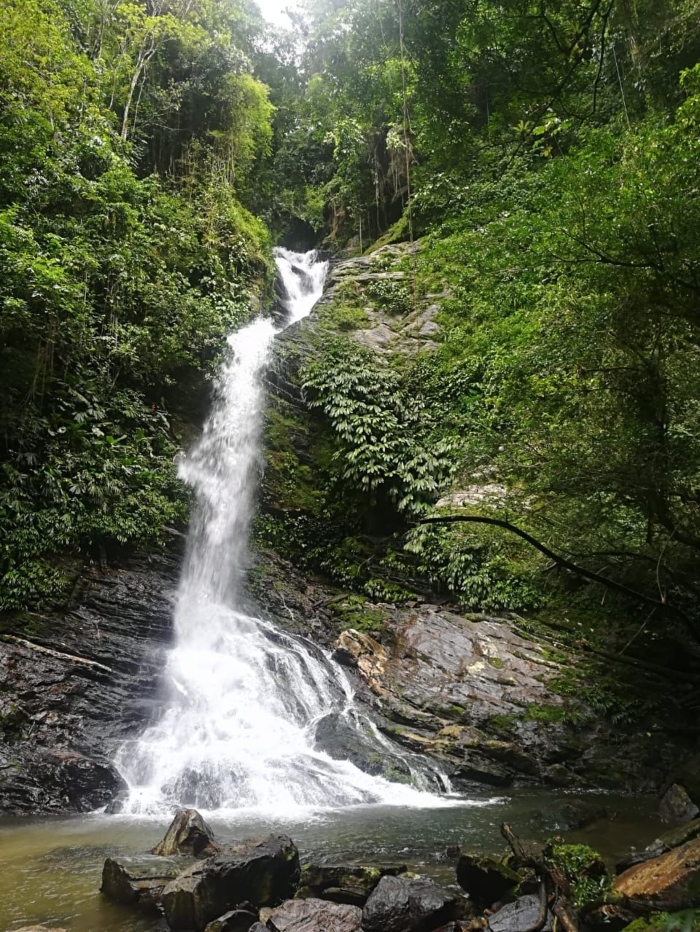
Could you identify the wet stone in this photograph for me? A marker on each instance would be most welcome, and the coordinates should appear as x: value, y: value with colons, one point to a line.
x: 341, y: 884
x: 264, y: 874
x: 188, y: 833
x: 486, y: 879
x: 312, y: 915
x: 236, y: 920
x: 402, y: 905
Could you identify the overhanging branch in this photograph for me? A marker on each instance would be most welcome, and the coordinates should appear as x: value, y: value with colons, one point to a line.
x: 582, y: 571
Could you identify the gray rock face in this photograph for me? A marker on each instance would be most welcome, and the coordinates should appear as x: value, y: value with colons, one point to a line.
x: 677, y: 806
x: 401, y: 905
x: 522, y: 914
x: 75, y: 685
x: 313, y: 915
x: 263, y: 874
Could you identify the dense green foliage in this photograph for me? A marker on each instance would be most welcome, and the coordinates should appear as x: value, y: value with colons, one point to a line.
x: 128, y: 135
x: 546, y: 154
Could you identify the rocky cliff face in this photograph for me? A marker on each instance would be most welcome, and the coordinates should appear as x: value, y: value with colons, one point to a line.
x: 75, y: 685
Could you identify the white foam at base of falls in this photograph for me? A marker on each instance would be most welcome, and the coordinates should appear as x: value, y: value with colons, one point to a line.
x: 238, y: 732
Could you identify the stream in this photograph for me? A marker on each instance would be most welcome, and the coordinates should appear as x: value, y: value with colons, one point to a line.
x: 50, y: 867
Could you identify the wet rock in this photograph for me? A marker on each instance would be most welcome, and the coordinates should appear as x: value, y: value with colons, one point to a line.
x: 312, y: 915
x: 401, y: 905
x: 236, y: 920
x: 263, y: 874
x: 677, y: 806
x: 341, y: 884
x: 359, y: 650
x: 38, y: 929
x: 188, y: 833
x: 36, y: 779
x: 522, y: 914
x: 477, y: 768
x: 570, y: 815
x: 121, y: 887
x: 670, y: 882
x: 341, y: 740
x: 486, y: 879
x: 82, y: 682
x: 688, y: 776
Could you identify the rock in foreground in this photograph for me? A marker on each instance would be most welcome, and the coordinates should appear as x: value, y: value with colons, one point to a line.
x: 121, y: 887
x: 486, y: 879
x: 236, y: 920
x: 341, y: 884
x: 524, y: 913
x: 264, y: 874
x: 401, y: 905
x: 312, y: 915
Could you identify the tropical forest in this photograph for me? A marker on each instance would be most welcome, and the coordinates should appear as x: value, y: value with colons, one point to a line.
x: 349, y: 465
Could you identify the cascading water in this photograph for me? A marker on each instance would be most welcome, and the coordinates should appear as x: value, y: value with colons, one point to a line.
x: 246, y: 698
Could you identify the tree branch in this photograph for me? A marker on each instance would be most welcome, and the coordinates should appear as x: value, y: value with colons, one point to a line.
x: 566, y: 564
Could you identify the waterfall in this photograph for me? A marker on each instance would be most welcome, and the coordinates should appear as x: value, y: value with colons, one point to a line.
x: 246, y: 698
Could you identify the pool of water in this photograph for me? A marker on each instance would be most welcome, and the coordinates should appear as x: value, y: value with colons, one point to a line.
x: 50, y: 867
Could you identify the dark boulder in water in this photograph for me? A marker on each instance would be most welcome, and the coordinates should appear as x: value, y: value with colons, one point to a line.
x: 188, y: 833
x: 677, y: 806
x: 402, y: 905
x: 121, y: 887
x: 263, y: 873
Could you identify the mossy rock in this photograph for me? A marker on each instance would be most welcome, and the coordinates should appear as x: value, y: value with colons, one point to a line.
x: 486, y: 879
x: 343, y: 884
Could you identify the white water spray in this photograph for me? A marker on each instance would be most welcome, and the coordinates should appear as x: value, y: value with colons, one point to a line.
x: 239, y: 731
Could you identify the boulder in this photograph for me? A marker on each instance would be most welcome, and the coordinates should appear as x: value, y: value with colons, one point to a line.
x: 677, y: 806
x: 236, y: 920
x: 312, y: 915
x: 670, y: 882
x: 188, y: 833
x: 486, y: 879
x: 401, y: 905
x: 350, y: 885
x: 688, y: 776
x: 569, y: 815
x: 121, y: 887
x: 522, y: 914
x: 342, y: 741
x: 263, y: 873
